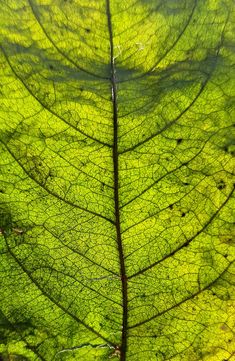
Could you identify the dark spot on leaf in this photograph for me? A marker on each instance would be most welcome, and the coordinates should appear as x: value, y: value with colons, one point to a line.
x: 51, y: 67
x: 179, y: 140
x: 51, y: 173
x: 229, y: 149
x: 229, y: 240
x: 183, y: 214
x: 221, y: 185
x: 226, y: 255
x: 2, y: 191
x: 186, y: 184
x: 171, y: 206
x: 88, y: 30
x: 81, y: 89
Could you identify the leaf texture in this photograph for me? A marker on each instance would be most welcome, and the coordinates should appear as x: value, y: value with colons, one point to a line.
x: 117, y: 179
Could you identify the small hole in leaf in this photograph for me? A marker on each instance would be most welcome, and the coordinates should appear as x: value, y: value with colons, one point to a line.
x: 2, y: 191
x: 179, y: 140
x: 183, y: 214
x: 171, y: 206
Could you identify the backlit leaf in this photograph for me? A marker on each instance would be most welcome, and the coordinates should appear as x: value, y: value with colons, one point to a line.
x: 117, y: 177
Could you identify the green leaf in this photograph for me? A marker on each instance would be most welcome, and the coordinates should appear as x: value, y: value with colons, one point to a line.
x: 117, y: 179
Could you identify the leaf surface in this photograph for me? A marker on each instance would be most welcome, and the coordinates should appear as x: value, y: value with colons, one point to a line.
x: 117, y: 140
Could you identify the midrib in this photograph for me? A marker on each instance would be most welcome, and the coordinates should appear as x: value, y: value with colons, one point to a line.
x: 123, y: 346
